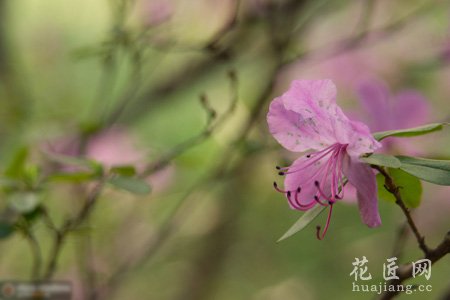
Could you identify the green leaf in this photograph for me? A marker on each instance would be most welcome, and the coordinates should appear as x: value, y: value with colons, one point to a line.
x: 131, y: 184
x: 24, y: 202
x: 6, y: 229
x: 16, y: 166
x: 382, y: 160
x: 431, y: 170
x: 73, y: 177
x: 127, y: 170
x: 410, y: 188
x: 76, y: 162
x: 304, y: 220
x: 421, y: 130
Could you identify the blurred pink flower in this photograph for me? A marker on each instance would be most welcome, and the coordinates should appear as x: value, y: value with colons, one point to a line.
x: 408, y: 108
x: 156, y: 12
x: 383, y: 111
x: 113, y: 147
x: 307, y: 117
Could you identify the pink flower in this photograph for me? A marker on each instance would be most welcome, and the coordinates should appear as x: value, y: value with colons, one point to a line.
x: 383, y: 111
x: 408, y: 108
x: 156, y: 12
x: 307, y: 117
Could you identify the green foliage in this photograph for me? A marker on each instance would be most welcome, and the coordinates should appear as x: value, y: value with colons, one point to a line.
x: 431, y: 170
x: 23, y: 202
x: 304, y: 221
x: 382, y: 160
x: 134, y: 185
x: 410, y: 188
x: 421, y: 130
x: 126, y: 170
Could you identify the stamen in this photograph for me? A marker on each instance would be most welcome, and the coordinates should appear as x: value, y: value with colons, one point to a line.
x: 318, y: 201
x: 275, y: 185
x: 322, y: 153
x: 321, y: 192
x: 318, y: 227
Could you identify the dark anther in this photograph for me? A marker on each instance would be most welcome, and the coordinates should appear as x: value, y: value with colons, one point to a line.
x: 299, y: 189
x: 288, y: 194
x: 281, y: 173
x: 275, y: 185
x: 316, y: 183
x: 308, y: 156
x: 278, y: 167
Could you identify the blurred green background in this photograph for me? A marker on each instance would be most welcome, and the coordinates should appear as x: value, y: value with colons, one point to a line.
x: 208, y: 229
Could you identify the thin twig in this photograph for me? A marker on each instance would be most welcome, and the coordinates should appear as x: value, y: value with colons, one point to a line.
x: 36, y: 252
x: 60, y: 235
x: 406, y: 271
x: 392, y: 188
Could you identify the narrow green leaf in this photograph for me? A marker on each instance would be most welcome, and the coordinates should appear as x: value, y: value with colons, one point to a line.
x: 382, y: 160
x: 72, y: 177
x: 304, y: 220
x: 74, y: 161
x: 16, y: 166
x: 410, y: 188
x: 431, y: 170
x: 421, y: 130
x: 127, y: 170
x: 130, y: 184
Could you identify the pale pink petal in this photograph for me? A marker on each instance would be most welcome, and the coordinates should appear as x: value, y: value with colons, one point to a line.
x: 360, y: 140
x: 307, y: 117
x: 291, y: 130
x: 410, y: 109
x: 361, y: 176
x: 374, y: 96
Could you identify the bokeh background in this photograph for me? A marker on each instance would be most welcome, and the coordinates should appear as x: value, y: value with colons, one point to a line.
x: 179, y: 89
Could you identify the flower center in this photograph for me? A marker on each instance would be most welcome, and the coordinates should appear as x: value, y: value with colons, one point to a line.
x: 328, y: 180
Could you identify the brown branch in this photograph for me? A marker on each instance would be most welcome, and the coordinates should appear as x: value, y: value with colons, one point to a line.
x: 392, y: 188
x: 406, y: 271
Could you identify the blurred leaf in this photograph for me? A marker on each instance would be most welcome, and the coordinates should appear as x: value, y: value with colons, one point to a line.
x: 130, y: 184
x: 127, y: 171
x: 76, y: 162
x: 421, y: 130
x: 10, y: 183
x: 382, y: 160
x: 23, y: 202
x: 410, y: 188
x: 73, y: 177
x: 304, y: 220
x: 16, y: 167
x: 34, y: 214
x: 431, y: 170
x: 6, y: 229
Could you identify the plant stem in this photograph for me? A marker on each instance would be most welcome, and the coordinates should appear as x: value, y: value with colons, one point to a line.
x: 392, y: 188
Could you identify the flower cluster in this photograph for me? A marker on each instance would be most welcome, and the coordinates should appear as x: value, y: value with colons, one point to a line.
x: 307, y: 119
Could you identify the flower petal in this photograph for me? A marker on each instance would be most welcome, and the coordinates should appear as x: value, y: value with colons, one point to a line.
x: 374, y: 96
x: 293, y: 131
x: 305, y: 175
x: 307, y: 117
x: 361, y: 176
x: 410, y: 109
